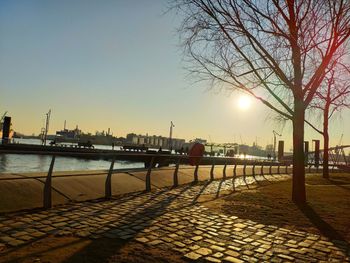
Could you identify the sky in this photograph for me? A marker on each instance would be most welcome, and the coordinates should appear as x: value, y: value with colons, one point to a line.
x: 118, y: 65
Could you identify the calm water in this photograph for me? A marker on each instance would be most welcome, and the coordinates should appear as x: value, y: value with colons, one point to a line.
x: 12, y: 163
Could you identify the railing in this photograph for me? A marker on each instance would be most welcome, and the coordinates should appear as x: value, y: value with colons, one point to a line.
x: 176, y: 160
x: 258, y: 167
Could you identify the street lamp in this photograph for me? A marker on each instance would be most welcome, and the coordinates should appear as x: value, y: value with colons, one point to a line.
x: 171, y: 135
x: 274, y: 143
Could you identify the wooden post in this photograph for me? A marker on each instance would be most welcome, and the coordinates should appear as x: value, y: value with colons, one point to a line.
x: 235, y: 171
x: 108, y: 183
x: 286, y: 169
x: 195, y: 179
x: 270, y: 169
x: 262, y: 169
x: 212, y: 170
x: 148, y: 175
x: 175, y: 177
x: 278, y: 169
x: 253, y: 169
x: 48, y: 186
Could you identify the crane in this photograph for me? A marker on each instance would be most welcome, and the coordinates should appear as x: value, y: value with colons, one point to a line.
x: 3, y: 116
x: 46, y: 129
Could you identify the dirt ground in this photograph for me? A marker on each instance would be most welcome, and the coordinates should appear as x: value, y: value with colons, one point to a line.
x: 327, y: 212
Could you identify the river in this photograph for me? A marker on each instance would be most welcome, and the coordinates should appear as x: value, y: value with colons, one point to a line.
x: 14, y: 163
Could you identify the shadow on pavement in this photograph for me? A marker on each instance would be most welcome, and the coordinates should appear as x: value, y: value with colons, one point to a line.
x: 326, y: 229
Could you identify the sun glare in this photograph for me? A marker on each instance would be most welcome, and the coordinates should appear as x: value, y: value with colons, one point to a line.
x: 244, y: 102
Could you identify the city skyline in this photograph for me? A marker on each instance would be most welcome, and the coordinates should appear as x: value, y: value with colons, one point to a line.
x: 118, y: 65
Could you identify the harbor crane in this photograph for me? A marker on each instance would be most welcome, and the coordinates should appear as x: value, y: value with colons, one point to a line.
x: 3, y: 116
x: 46, y: 129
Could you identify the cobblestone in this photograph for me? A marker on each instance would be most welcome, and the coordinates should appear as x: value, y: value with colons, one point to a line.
x: 169, y: 218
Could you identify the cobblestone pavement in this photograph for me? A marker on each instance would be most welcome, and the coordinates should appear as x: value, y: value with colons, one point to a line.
x: 171, y: 219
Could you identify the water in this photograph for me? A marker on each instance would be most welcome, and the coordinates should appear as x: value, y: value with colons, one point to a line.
x: 14, y: 163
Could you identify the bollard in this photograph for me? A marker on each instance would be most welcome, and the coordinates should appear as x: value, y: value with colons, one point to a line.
x: 175, y: 178
x: 195, y: 179
x: 108, y: 184
x: 148, y: 175
x: 224, y: 171
x: 212, y: 170
x: 262, y: 170
x: 48, y: 186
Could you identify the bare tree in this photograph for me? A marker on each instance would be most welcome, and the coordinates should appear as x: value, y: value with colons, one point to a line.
x: 331, y: 97
x: 268, y: 49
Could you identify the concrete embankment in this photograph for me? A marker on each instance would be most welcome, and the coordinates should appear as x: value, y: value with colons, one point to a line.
x: 20, y: 191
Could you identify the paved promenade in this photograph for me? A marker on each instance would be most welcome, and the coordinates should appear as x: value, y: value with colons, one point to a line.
x: 20, y: 191
x: 172, y: 219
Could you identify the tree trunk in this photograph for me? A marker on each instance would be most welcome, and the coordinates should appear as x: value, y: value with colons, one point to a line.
x: 325, y: 142
x: 298, y: 191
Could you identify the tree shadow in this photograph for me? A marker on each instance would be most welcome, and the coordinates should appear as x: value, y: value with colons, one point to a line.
x: 147, y: 212
x: 326, y: 229
x: 205, y: 185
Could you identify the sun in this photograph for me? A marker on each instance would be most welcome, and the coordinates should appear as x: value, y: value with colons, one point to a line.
x: 244, y: 102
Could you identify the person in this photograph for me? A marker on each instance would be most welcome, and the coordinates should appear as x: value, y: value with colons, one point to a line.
x: 268, y: 156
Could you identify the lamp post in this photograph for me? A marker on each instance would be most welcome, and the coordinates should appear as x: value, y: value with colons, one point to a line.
x: 171, y: 135
x: 274, y: 143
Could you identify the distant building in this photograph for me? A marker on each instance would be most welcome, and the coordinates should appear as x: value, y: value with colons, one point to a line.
x: 154, y: 141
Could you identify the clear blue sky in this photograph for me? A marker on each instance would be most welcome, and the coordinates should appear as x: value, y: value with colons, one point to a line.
x: 115, y: 64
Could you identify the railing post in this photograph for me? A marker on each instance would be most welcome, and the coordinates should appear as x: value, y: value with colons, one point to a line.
x: 278, y: 169
x: 235, y: 171
x: 108, y: 184
x: 195, y: 175
x: 262, y: 169
x: 253, y: 170
x: 270, y: 169
x: 148, y: 175
x: 244, y: 171
x: 224, y: 171
x: 175, y: 177
x: 48, y: 186
x: 286, y: 169
x: 212, y: 170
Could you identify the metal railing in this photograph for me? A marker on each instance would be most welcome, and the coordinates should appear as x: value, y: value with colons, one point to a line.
x: 154, y: 161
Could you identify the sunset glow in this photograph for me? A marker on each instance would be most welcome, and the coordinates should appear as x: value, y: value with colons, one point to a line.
x: 244, y: 102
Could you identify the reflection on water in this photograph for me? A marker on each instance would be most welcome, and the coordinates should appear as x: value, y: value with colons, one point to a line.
x: 14, y: 163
